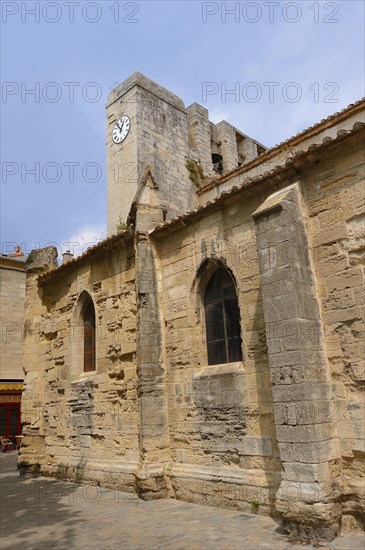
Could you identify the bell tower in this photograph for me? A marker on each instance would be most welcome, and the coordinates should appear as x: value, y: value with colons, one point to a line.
x: 147, y: 132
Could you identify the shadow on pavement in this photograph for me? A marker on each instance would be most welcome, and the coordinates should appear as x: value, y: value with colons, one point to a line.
x: 36, y: 509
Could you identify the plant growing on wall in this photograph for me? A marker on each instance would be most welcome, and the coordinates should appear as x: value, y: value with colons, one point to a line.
x: 196, y: 174
x: 121, y: 226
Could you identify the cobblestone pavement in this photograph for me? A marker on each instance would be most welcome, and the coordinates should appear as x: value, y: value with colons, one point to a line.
x: 40, y: 513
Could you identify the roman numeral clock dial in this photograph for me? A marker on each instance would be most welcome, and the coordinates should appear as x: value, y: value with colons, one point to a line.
x: 121, y: 129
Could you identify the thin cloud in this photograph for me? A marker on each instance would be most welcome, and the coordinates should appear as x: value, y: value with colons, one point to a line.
x: 84, y: 238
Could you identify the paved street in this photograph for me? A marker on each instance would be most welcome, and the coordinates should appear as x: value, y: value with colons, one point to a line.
x: 39, y: 514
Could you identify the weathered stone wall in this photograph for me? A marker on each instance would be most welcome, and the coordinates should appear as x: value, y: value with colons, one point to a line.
x: 12, y: 292
x: 152, y: 382
x: 79, y: 425
x: 308, y: 497
x: 200, y: 137
x: 222, y: 432
x: 224, y: 421
x: 336, y: 209
x: 158, y: 140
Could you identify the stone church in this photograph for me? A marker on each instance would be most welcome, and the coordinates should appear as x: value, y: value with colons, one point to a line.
x: 211, y: 348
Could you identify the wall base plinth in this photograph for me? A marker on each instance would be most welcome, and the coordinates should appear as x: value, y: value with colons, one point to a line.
x: 309, y: 521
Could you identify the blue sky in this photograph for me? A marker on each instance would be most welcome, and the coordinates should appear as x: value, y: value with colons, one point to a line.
x: 289, y: 63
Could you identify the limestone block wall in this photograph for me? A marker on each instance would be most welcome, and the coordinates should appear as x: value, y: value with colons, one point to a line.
x: 229, y: 149
x: 222, y: 432
x: 223, y: 420
x: 158, y: 141
x: 200, y: 136
x: 163, y: 144
x: 122, y: 161
x: 308, y: 497
x: 12, y: 292
x: 336, y: 208
x: 83, y: 425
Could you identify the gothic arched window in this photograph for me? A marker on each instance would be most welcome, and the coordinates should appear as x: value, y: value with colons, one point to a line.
x: 89, y: 337
x: 222, y: 319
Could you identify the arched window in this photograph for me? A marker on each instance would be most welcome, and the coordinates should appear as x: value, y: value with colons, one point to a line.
x: 89, y: 337
x: 222, y: 319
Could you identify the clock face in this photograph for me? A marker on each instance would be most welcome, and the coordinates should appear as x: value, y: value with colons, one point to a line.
x: 121, y: 129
